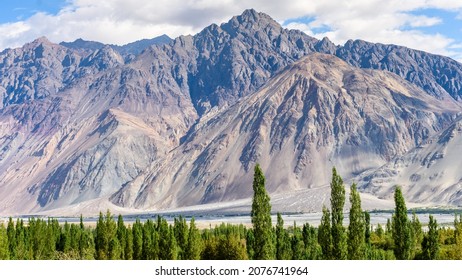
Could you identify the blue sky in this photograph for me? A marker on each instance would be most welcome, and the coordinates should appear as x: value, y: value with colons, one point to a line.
x: 430, y: 25
x: 17, y: 10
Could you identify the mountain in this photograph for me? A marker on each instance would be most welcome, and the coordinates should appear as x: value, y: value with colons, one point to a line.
x: 428, y: 173
x: 436, y: 74
x: 317, y: 113
x: 87, y: 139
x: 130, y: 49
x: 183, y: 121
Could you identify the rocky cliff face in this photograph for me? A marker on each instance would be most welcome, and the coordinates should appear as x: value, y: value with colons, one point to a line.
x: 430, y: 172
x: 318, y: 113
x: 183, y: 121
x: 436, y: 74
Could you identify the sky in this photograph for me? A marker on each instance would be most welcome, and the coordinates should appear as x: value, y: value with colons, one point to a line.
x: 431, y: 25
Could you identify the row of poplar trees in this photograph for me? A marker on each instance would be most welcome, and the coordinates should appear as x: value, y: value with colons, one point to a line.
x: 402, y: 238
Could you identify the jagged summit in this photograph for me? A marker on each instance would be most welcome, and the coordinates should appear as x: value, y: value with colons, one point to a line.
x: 42, y: 40
x: 83, y: 45
x: 251, y: 16
x: 129, y: 49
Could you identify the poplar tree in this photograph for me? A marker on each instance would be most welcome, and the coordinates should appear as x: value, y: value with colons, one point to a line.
x: 12, y: 242
x: 367, y: 220
x: 87, y: 245
x: 298, y: 247
x: 194, y: 247
x: 458, y: 237
x: 310, y: 239
x: 21, y: 236
x: 416, y: 234
x: 261, y: 218
x: 337, y: 201
x: 356, y: 229
x: 430, y: 246
x: 167, y: 242
x: 148, y: 248
x: 128, y: 250
x: 325, y: 234
x: 121, y: 236
x: 401, y: 230
x: 283, y: 249
x: 115, y: 250
x: 106, y: 230
x: 4, y: 248
x: 180, y: 228
x: 137, y: 232
x: 65, y: 238
x: 250, y: 241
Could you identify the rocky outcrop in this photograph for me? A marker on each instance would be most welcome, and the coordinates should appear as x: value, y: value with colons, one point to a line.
x: 436, y: 74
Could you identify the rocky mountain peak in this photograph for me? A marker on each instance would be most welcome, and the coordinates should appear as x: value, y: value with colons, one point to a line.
x: 102, y: 59
x: 251, y: 21
x: 40, y: 41
x: 83, y: 45
x: 251, y: 15
x: 326, y: 46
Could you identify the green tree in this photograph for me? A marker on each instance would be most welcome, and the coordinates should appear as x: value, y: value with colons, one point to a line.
x: 12, y: 243
x: 22, y: 239
x: 283, y: 248
x: 401, y: 228
x: 168, y: 249
x: 458, y: 237
x: 65, y: 238
x: 356, y: 228
x: 325, y: 234
x: 76, y: 232
x: 430, y: 246
x: 337, y: 201
x: 298, y: 247
x: 121, y: 236
x: 181, y: 230
x: 231, y: 247
x: 310, y: 239
x: 194, y: 247
x: 128, y: 250
x: 87, y: 245
x: 149, y: 249
x: 137, y: 232
x: 4, y: 247
x: 261, y: 218
x: 367, y: 220
x: 250, y: 241
x: 105, y: 232
x: 416, y: 235
x: 115, y: 250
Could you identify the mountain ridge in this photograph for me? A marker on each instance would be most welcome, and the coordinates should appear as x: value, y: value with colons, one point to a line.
x: 205, y: 180
x: 97, y: 125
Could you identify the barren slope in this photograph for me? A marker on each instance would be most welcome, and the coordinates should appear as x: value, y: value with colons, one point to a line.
x: 318, y: 113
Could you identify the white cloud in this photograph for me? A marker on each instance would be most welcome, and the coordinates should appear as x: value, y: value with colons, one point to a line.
x: 424, y: 21
x: 122, y: 21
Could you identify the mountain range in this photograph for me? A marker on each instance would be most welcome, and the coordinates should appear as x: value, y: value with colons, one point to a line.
x: 168, y: 123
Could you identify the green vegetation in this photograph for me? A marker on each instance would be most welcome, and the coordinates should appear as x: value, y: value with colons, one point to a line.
x: 263, y: 247
x: 337, y: 202
x: 356, y: 228
x: 402, y: 238
x: 401, y: 228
